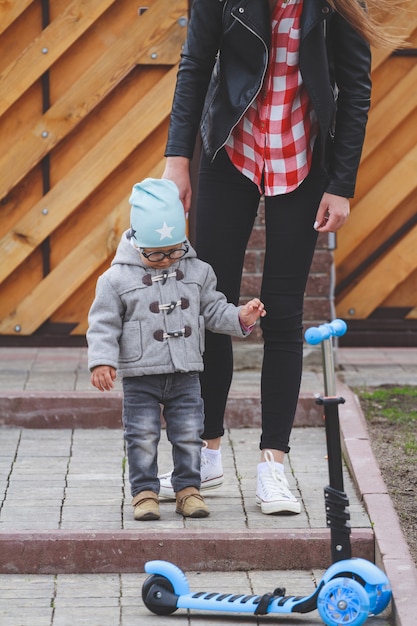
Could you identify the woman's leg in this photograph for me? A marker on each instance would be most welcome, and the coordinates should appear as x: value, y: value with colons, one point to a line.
x: 290, y: 243
x: 227, y: 205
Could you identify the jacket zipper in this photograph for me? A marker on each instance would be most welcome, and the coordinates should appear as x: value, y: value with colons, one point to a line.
x: 255, y: 96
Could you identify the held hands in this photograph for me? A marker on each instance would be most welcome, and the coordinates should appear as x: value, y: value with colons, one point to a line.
x: 102, y: 377
x: 252, y: 311
x: 332, y: 213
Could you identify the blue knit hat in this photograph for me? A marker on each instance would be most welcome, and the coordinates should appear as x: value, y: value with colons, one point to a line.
x: 157, y: 215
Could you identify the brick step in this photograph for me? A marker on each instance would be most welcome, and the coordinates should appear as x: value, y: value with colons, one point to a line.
x: 74, y: 552
x: 67, y: 508
x: 60, y: 395
x: 90, y: 409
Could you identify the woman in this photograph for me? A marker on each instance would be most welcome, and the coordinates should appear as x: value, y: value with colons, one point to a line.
x: 280, y: 90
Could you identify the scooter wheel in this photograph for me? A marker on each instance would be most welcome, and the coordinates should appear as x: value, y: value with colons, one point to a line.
x: 343, y: 601
x: 383, y: 595
x: 153, y: 596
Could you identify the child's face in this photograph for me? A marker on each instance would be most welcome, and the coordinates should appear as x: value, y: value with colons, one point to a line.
x: 162, y: 258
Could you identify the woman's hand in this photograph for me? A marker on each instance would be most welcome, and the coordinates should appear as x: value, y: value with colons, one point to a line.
x: 332, y: 213
x: 177, y: 169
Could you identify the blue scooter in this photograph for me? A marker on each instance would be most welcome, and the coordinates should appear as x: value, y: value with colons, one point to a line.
x: 350, y: 590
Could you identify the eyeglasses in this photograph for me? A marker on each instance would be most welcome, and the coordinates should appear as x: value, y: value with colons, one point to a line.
x: 156, y: 256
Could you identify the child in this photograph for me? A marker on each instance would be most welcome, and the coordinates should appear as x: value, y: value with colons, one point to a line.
x: 147, y: 321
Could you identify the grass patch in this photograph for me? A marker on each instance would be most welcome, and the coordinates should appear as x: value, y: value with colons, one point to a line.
x: 393, y: 410
x: 396, y: 404
x: 410, y: 446
x: 391, y: 414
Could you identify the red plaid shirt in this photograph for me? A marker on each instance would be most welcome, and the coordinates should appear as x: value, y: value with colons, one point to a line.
x: 272, y: 143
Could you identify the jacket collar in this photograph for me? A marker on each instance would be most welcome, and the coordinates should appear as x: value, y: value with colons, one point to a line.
x: 313, y: 12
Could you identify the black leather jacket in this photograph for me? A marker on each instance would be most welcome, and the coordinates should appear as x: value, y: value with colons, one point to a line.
x: 224, y: 63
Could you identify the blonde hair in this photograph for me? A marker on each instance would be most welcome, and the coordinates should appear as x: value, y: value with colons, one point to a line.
x: 367, y: 19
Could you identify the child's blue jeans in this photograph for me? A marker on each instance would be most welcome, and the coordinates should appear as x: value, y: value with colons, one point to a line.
x: 180, y: 395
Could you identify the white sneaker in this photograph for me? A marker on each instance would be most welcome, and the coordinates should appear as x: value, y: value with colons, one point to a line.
x: 273, y: 494
x: 211, y: 475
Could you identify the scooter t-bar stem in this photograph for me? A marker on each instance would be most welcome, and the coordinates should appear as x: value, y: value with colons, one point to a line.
x: 336, y: 501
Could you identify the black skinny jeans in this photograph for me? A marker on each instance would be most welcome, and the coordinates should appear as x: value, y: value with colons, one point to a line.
x: 227, y: 205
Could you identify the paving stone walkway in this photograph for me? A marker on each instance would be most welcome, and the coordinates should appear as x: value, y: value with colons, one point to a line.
x: 75, y: 480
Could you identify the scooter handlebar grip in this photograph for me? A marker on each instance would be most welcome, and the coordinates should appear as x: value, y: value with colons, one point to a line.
x: 316, y: 334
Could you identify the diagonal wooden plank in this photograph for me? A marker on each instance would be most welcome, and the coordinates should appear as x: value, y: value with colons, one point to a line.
x: 73, y: 270
x: 412, y: 315
x: 10, y: 11
x: 81, y: 328
x: 97, y: 246
x: 377, y: 285
x: 54, y: 40
x: 158, y: 31
x: 49, y: 212
x: 387, y: 114
x: 377, y: 205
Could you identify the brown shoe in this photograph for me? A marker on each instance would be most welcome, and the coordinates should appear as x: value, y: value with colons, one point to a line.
x: 146, y: 506
x: 190, y: 503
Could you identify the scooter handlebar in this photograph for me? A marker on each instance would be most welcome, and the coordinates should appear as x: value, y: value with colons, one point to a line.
x: 316, y: 334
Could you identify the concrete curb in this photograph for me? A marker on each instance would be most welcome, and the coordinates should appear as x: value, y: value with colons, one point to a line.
x: 391, y: 550
x: 74, y: 552
x: 90, y: 409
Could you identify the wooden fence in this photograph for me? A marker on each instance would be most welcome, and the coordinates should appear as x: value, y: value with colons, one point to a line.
x: 376, y: 254
x: 85, y: 95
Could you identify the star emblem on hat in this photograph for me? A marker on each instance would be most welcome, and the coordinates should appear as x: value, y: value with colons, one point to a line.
x: 165, y: 231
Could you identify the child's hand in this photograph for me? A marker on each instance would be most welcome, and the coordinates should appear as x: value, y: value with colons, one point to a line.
x: 251, y: 311
x: 102, y: 377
